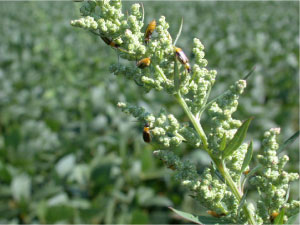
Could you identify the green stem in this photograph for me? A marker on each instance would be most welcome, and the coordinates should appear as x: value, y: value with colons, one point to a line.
x: 161, y: 73
x: 222, y: 169
x: 194, y: 121
x: 205, y: 106
x: 219, y: 163
x: 179, y: 136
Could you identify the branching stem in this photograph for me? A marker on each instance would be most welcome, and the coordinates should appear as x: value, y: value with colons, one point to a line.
x: 194, y: 121
x: 161, y: 73
x: 222, y: 169
x: 219, y: 163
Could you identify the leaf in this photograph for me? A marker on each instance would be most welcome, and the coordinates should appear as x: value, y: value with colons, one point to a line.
x: 58, y: 199
x: 213, y: 220
x: 215, y: 171
x: 287, y: 194
x: 200, y: 219
x: 223, y: 143
x: 176, y: 71
x: 140, y: 216
x: 65, y: 165
x: 143, y: 11
x: 176, y: 74
x: 248, y: 157
x: 250, y: 73
x: 238, y: 139
x: 186, y: 216
x: 254, y: 170
x: 179, y: 32
x: 158, y: 201
x: 279, y: 218
x: 288, y: 142
x: 293, y: 219
x: 212, y: 101
x: 242, y: 202
x: 55, y: 214
x: 21, y: 187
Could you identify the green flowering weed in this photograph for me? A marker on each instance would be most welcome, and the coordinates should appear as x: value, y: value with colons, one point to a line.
x: 156, y: 63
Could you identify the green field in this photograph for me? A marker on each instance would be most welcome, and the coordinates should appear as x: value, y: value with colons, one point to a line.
x: 69, y: 155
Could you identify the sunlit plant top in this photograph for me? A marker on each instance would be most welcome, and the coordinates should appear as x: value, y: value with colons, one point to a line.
x: 159, y: 64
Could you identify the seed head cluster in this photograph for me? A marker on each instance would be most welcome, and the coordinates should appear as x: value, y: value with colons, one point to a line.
x: 273, y: 182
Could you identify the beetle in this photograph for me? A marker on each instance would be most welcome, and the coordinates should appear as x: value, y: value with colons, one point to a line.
x: 273, y: 216
x: 246, y: 172
x: 143, y: 63
x: 146, y: 133
x: 150, y: 29
x: 172, y: 167
x: 182, y: 58
x: 109, y: 42
x: 214, y: 214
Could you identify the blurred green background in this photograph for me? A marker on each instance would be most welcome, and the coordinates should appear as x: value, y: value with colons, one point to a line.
x: 68, y: 155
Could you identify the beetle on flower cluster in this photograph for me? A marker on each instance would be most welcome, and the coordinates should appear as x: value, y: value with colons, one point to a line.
x: 158, y: 64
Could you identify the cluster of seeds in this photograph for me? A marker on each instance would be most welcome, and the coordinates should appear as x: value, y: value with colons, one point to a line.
x: 273, y: 182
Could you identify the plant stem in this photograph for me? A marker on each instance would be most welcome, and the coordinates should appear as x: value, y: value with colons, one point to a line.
x: 222, y: 169
x: 161, y: 73
x: 194, y: 121
x: 219, y: 163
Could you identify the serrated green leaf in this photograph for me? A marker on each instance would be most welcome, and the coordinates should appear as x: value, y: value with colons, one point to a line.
x: 279, y: 218
x: 223, y: 143
x: 238, y: 139
x: 288, y: 142
x: 248, y: 157
x: 200, y: 219
x: 292, y: 219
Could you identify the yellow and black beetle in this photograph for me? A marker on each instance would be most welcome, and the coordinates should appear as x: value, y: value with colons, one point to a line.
x: 109, y: 42
x: 143, y: 63
x: 146, y: 133
x: 182, y: 58
x: 273, y: 216
x: 150, y: 29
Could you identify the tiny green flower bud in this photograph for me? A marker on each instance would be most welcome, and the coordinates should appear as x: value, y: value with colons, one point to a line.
x: 175, y: 141
x: 158, y: 131
x: 150, y: 119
